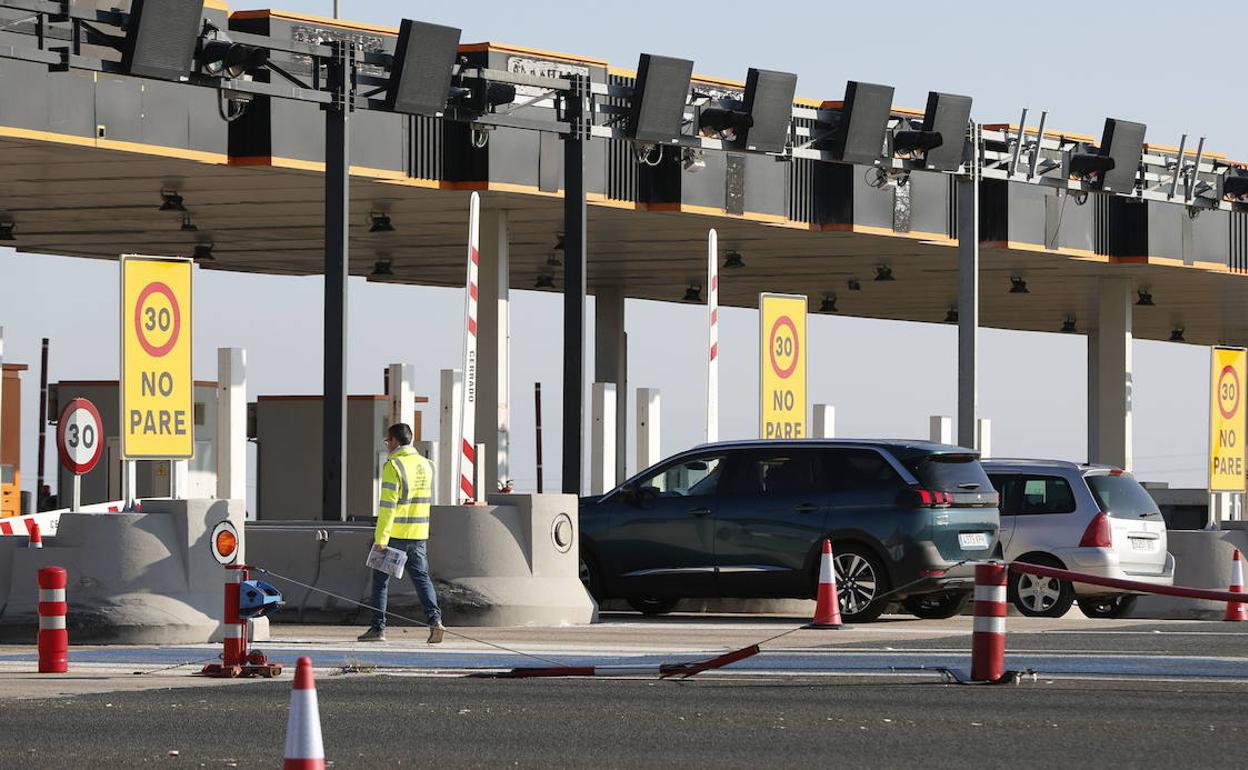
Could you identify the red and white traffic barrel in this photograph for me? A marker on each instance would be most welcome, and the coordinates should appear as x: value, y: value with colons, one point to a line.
x: 53, y: 635
x: 988, y: 637
x: 234, y: 628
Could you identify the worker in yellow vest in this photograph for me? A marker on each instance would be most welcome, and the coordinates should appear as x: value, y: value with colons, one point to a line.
x: 403, y: 523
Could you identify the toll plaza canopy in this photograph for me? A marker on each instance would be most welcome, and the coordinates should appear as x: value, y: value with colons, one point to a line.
x: 100, y: 163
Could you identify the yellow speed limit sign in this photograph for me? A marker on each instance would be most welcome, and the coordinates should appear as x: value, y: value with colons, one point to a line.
x: 1226, y: 420
x: 157, y: 392
x: 782, y: 387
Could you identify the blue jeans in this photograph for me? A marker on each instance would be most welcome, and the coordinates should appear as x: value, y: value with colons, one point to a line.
x: 418, y: 568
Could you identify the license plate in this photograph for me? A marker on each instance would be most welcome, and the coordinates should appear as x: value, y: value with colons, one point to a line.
x: 973, y: 541
x: 1139, y: 544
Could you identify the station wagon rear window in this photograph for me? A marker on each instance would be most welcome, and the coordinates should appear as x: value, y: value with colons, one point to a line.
x: 1122, y: 497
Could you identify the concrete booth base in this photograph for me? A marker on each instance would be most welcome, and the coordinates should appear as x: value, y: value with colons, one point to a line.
x: 134, y: 578
x: 513, y: 562
x: 1202, y: 559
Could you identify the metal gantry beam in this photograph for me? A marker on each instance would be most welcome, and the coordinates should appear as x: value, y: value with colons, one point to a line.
x: 337, y: 212
x: 574, y: 260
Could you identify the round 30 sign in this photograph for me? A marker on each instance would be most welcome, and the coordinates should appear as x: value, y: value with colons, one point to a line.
x: 79, y: 437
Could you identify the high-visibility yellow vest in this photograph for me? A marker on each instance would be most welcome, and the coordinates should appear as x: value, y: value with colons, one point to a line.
x: 406, y: 491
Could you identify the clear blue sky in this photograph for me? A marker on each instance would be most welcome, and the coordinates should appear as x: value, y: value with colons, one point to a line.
x: 1080, y: 61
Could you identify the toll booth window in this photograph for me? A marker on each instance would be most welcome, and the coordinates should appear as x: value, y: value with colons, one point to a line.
x: 692, y: 478
x: 199, y: 413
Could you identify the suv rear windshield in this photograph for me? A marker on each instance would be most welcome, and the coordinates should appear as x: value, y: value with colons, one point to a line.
x: 1122, y: 497
x: 951, y: 473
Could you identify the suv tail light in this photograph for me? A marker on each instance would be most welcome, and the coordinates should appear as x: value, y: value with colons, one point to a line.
x: 928, y: 498
x: 1098, y: 534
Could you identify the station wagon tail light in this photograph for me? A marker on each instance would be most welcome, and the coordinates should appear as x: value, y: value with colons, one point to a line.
x: 1098, y: 534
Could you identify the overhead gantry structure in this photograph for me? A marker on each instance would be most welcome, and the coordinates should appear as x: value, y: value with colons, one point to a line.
x: 232, y: 118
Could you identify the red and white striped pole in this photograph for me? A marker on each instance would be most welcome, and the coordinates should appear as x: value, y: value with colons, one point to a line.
x: 712, y: 363
x: 234, y: 630
x: 466, y: 493
x: 36, y: 537
x: 53, y: 635
x: 988, y: 637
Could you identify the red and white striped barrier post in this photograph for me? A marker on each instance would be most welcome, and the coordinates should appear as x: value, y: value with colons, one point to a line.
x: 988, y: 637
x: 53, y: 636
x: 1236, y: 610
x: 235, y: 630
x: 467, y: 492
x: 304, y: 747
x: 36, y: 537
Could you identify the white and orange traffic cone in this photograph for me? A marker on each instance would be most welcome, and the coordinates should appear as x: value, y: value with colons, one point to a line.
x: 36, y: 537
x: 1236, y: 610
x: 304, y: 749
x: 827, y: 603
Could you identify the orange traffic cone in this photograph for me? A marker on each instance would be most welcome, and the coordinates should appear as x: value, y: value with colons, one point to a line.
x: 827, y: 604
x: 1236, y: 610
x: 304, y: 750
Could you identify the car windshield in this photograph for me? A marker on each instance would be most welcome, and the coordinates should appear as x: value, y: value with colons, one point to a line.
x: 951, y: 473
x: 1122, y: 497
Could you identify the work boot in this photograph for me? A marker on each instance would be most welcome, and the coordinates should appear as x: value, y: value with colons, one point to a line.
x: 372, y: 635
x: 436, y: 633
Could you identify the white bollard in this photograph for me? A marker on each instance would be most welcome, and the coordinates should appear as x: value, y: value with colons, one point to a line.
x: 824, y: 419
x: 648, y: 450
x: 451, y: 382
x: 940, y: 429
x: 231, y: 424
x: 401, y: 379
x: 602, y: 438
x: 983, y: 437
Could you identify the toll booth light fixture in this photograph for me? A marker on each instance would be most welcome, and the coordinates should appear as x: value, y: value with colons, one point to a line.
x: 733, y: 261
x: 1068, y: 325
x: 884, y: 273
x: 544, y: 281
x: 1018, y: 285
x: 170, y: 200
x: 951, y: 315
x: 909, y: 142
x: 188, y: 226
x: 693, y: 294
x: 382, y: 268
x: 560, y: 239
x: 854, y: 284
x: 6, y: 231
x: 1146, y: 298
x: 203, y: 253
x: 1234, y: 186
x: 380, y: 223
x: 1176, y: 334
x: 829, y: 304
x: 224, y: 58
x: 726, y: 122
x: 553, y: 260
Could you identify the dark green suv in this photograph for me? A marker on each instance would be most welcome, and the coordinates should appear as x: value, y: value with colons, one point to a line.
x: 747, y: 519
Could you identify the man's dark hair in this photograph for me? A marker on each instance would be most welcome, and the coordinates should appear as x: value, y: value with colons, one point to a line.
x: 400, y: 433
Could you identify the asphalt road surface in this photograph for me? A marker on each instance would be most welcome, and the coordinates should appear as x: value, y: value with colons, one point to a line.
x: 724, y: 721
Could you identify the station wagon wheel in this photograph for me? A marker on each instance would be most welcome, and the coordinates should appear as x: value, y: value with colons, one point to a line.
x: 591, y: 577
x: 1040, y: 597
x: 652, y: 605
x: 860, y: 580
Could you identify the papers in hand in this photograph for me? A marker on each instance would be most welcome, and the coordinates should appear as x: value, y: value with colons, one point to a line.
x: 390, y: 561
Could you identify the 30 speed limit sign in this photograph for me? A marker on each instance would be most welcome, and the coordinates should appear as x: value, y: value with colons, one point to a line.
x: 79, y: 437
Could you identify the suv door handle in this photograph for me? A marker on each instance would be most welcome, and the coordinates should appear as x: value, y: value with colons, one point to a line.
x: 699, y: 511
x: 806, y: 508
